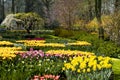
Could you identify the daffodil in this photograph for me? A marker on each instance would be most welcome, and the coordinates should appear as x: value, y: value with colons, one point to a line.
x: 87, y: 64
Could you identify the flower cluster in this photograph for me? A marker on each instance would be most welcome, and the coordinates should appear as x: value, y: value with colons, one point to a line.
x: 6, y: 43
x: 37, y: 54
x: 46, y: 77
x: 7, y: 55
x: 32, y: 54
x: 40, y: 43
x: 86, y: 64
x: 45, y: 44
x: 80, y: 43
x: 9, y: 52
x: 31, y: 41
x: 10, y: 49
x: 68, y: 53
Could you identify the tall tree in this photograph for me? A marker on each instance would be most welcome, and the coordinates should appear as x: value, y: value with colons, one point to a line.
x: 19, y: 6
x: 98, y: 5
x: 66, y: 11
x: 13, y: 6
x: 47, y: 10
x: 116, y: 22
x: 2, y: 14
x: 29, y: 5
x: 90, y: 9
x: 117, y: 5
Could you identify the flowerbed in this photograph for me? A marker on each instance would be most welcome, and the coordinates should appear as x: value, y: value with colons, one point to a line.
x: 29, y: 63
x: 6, y: 43
x: 69, y: 53
x: 46, y: 77
x: 41, y: 43
x: 80, y: 43
x: 59, y: 64
x: 31, y: 41
x: 86, y: 66
x: 9, y: 52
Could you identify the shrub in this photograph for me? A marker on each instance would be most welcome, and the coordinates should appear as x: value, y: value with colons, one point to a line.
x: 43, y: 32
x: 57, y: 32
x: 26, y: 36
x: 63, y: 33
x: 79, y: 25
x: 92, y: 26
x: 2, y: 29
x: 31, y: 21
x: 109, y: 49
x: 54, y: 24
x: 114, y: 28
x: 99, y: 47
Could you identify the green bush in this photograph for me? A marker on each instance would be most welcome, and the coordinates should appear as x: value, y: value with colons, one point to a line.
x: 100, y: 47
x: 13, y: 34
x: 63, y: 33
x: 26, y: 36
x: 109, y: 49
x: 2, y: 29
x: 43, y: 32
x: 31, y: 21
x: 57, y: 32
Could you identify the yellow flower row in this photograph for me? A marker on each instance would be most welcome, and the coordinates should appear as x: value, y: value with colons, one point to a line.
x: 10, y: 48
x: 87, y: 64
x: 9, y: 52
x: 42, y: 43
x: 45, y: 44
x: 80, y: 43
x: 31, y: 41
x: 69, y: 52
x: 6, y: 43
x: 7, y: 55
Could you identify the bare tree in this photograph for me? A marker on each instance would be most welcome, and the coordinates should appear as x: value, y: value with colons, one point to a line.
x: 19, y: 6
x: 2, y: 14
x: 47, y: 6
x: 13, y: 6
x: 29, y: 5
x: 117, y: 5
x: 90, y: 7
x: 65, y: 11
x: 98, y: 5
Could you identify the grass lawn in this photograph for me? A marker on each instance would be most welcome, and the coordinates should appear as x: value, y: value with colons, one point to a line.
x: 116, y: 68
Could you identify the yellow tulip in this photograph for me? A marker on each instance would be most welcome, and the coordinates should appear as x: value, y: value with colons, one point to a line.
x: 88, y: 69
x: 78, y: 70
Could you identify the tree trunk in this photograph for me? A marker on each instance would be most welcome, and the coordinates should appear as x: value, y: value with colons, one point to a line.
x: 2, y: 14
x: 117, y: 9
x: 117, y: 5
x: 29, y: 6
x: 90, y: 9
x: 47, y: 16
x: 13, y: 6
x: 0, y: 11
x: 98, y: 4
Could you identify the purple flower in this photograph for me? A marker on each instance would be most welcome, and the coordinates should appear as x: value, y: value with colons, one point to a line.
x: 32, y: 54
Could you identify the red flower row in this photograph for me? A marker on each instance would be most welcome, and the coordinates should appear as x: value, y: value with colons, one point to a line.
x: 45, y: 77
